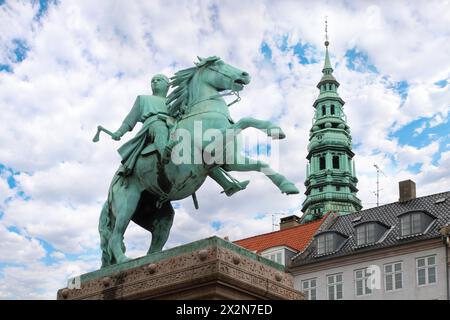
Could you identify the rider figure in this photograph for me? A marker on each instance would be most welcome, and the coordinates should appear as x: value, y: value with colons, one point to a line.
x: 154, y: 130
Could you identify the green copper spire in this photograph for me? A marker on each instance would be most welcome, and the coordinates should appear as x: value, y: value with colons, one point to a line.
x: 327, y: 65
x: 330, y: 173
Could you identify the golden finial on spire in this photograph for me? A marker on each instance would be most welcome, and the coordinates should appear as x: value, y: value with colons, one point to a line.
x: 326, y: 32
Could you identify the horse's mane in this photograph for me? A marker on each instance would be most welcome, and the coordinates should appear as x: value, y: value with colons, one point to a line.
x: 179, y: 99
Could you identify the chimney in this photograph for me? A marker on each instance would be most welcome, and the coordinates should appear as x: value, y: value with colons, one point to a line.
x: 289, y: 222
x: 407, y: 190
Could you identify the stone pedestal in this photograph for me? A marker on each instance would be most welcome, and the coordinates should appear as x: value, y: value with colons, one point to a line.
x: 211, y: 268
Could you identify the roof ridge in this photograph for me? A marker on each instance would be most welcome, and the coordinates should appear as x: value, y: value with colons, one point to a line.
x: 272, y: 232
x: 391, y: 203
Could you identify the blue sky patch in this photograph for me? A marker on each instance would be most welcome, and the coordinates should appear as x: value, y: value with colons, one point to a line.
x: 359, y: 61
x: 176, y: 205
x: 305, y: 53
x: 266, y: 51
x: 216, y: 225
x: 401, y: 88
x: 21, y: 49
x: 415, y: 168
x: 409, y: 134
x: 43, y: 7
x: 260, y: 216
x: 5, y: 67
x: 441, y: 83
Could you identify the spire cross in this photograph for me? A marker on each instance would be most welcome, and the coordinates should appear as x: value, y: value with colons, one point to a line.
x: 326, y: 32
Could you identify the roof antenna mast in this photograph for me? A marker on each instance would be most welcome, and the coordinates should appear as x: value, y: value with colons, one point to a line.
x: 377, y: 193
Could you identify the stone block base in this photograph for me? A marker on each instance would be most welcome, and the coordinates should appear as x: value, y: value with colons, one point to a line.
x: 207, y: 269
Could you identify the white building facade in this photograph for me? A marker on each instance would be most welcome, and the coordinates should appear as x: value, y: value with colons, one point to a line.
x: 396, y: 251
x: 407, y: 273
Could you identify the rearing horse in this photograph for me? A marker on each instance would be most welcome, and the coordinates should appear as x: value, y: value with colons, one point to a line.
x: 197, y: 104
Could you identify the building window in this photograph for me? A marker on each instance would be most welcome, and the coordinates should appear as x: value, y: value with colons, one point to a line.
x: 276, y: 256
x: 338, y: 188
x: 320, y: 189
x: 365, y: 234
x: 332, y: 109
x: 329, y: 86
x: 393, y: 276
x: 411, y: 223
x: 362, y: 277
x: 335, y: 162
x: 426, y: 270
x: 325, y: 243
x: 322, y: 163
x: 324, y: 110
x: 334, y: 285
x: 309, y: 288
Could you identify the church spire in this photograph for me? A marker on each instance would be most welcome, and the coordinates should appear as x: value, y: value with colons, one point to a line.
x: 327, y: 65
x: 330, y: 174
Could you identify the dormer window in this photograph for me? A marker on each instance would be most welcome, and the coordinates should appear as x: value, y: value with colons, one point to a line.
x: 414, y: 223
x: 365, y: 234
x: 369, y: 232
x: 329, y: 242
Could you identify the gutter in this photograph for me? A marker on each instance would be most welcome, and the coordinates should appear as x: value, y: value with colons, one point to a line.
x: 445, y: 231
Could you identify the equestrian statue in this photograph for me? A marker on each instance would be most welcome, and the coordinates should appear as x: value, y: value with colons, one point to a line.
x: 169, y: 159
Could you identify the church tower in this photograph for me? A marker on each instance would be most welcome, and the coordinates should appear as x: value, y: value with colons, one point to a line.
x: 330, y: 172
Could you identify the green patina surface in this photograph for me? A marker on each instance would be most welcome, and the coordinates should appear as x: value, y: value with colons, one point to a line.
x: 330, y: 174
x: 177, y: 251
x: 172, y: 154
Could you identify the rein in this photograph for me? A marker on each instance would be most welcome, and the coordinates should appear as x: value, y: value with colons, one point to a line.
x: 215, y: 96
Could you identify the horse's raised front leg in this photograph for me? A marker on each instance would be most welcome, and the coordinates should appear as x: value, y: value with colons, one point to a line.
x: 267, y: 127
x: 124, y: 202
x: 248, y: 164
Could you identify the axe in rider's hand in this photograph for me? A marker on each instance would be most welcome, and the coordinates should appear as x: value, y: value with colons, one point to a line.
x: 97, y: 135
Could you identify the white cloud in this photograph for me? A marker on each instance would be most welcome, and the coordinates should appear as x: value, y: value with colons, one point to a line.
x: 88, y: 60
x: 40, y: 281
x: 16, y: 248
x: 69, y: 228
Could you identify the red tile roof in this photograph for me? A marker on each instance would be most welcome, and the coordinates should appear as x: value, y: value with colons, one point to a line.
x: 295, y: 237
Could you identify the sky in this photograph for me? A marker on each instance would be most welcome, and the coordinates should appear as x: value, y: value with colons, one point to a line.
x: 66, y: 67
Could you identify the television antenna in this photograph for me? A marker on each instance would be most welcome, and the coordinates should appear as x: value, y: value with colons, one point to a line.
x: 274, y: 224
x: 377, y: 193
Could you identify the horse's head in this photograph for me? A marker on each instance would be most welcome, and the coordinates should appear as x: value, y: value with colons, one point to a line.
x: 221, y: 75
x: 201, y: 83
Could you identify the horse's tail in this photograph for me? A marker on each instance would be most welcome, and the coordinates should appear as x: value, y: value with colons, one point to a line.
x: 105, y: 228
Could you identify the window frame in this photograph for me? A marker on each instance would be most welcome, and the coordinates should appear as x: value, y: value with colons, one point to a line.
x: 274, y: 252
x: 365, y: 233
x: 334, y: 286
x: 426, y: 267
x: 328, y: 238
x: 412, y: 223
x: 310, y: 288
x: 365, y: 281
x: 393, y: 273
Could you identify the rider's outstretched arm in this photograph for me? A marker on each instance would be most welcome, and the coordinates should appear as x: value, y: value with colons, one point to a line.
x: 130, y: 120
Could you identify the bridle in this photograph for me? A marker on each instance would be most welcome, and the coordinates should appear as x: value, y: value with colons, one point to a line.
x: 226, y: 93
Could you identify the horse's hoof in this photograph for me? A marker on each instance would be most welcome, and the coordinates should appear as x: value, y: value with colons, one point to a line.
x: 123, y: 259
x: 239, y: 186
x: 289, y: 188
x: 276, y: 133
